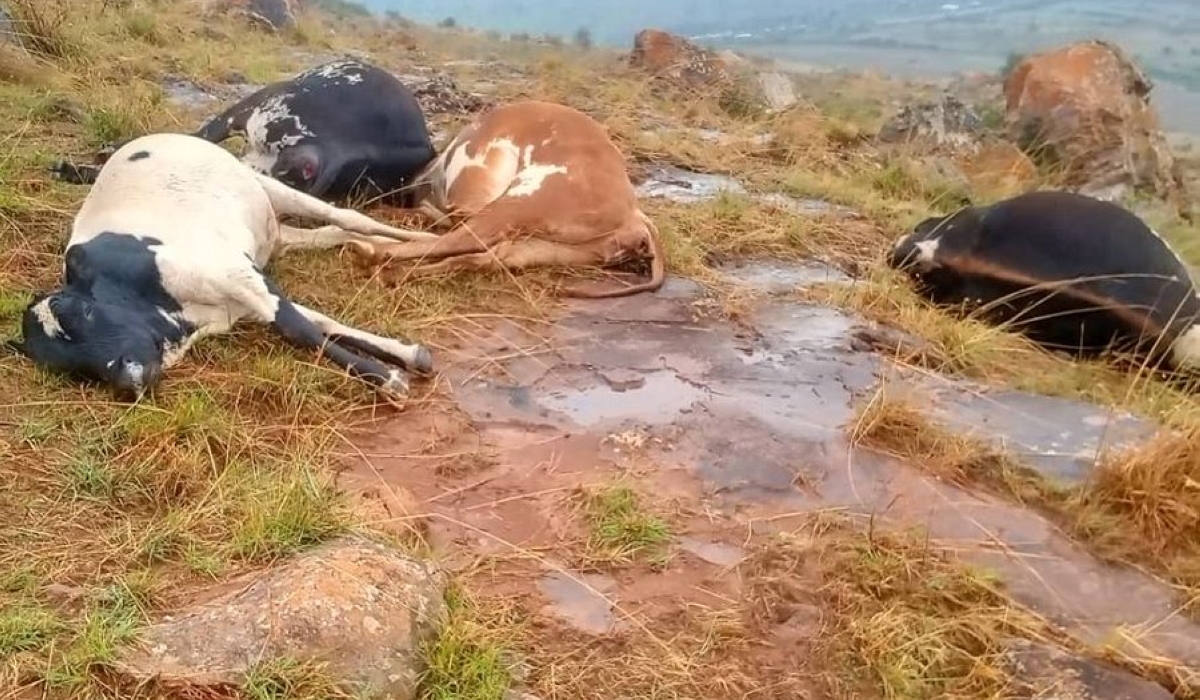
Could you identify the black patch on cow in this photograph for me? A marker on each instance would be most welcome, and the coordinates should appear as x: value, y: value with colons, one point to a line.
x: 302, y: 333
x: 368, y: 130
x: 987, y: 256
x: 140, y: 155
x: 112, y: 308
x: 118, y: 266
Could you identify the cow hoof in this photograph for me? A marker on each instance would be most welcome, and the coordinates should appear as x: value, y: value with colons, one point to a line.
x: 423, y: 361
x: 395, y: 387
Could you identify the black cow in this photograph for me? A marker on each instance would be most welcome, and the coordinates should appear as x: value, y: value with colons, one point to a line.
x: 170, y: 246
x: 344, y: 129
x: 1072, y: 272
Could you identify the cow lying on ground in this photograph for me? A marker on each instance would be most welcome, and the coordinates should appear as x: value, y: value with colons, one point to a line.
x: 528, y: 184
x: 170, y: 246
x: 344, y: 129
x: 1071, y: 272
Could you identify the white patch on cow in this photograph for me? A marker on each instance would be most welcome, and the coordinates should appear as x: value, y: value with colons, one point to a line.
x: 351, y: 71
x: 260, y: 160
x: 532, y: 175
x: 45, y: 316
x: 261, y: 153
x: 926, y: 250
x: 1185, y: 351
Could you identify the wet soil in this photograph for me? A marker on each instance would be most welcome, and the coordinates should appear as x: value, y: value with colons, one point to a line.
x: 734, y: 432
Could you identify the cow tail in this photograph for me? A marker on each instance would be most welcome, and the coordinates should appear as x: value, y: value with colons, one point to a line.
x: 658, y: 269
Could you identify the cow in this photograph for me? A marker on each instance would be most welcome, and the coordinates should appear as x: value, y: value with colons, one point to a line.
x: 169, y: 246
x: 1071, y: 272
x: 339, y: 131
x: 527, y: 184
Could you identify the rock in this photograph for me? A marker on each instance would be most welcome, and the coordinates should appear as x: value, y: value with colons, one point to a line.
x: 8, y: 28
x: 946, y: 123
x: 439, y: 94
x: 1087, y: 108
x: 272, y: 15
x: 1052, y: 674
x: 778, y: 90
x: 678, y: 60
x: 359, y: 607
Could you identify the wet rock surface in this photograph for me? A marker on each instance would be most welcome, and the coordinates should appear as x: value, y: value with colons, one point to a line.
x: 688, y: 187
x: 1048, y: 672
x: 360, y: 607
x: 745, y: 423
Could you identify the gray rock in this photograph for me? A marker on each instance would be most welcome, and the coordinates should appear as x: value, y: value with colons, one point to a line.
x: 1049, y: 673
x: 361, y: 608
x: 945, y: 122
x: 8, y: 28
x: 777, y: 89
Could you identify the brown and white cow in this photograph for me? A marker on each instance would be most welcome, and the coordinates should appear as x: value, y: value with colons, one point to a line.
x: 529, y: 184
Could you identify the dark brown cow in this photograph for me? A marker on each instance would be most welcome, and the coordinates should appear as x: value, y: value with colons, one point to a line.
x: 530, y: 184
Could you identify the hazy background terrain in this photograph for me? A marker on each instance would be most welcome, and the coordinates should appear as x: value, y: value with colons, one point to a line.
x: 924, y: 38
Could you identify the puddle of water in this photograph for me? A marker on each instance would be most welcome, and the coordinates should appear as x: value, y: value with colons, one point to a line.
x: 689, y: 187
x: 782, y: 276
x: 659, y: 397
x: 575, y: 600
x: 679, y: 185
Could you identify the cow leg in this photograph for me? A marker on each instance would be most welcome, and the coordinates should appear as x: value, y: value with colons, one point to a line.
x: 511, y: 255
x: 265, y: 302
x: 415, y: 358
x: 286, y: 200
x: 293, y: 238
x: 473, y: 236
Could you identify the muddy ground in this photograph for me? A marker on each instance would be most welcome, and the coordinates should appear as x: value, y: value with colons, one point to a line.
x: 734, y: 432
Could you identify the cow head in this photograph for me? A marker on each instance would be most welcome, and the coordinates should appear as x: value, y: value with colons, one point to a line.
x: 111, y: 322
x: 301, y: 167
x: 75, y: 334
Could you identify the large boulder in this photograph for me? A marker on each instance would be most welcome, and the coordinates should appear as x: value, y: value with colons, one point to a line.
x: 678, y: 60
x: 362, y: 609
x: 1085, y: 108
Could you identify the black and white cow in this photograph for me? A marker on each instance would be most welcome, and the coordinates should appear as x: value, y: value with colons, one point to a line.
x: 169, y: 246
x: 1071, y: 272
x: 340, y: 130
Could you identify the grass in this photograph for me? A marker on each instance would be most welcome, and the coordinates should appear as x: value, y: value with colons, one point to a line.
x: 231, y: 466
x: 1141, y: 506
x: 619, y: 528
x: 467, y: 661
x: 916, y: 624
x: 289, y: 679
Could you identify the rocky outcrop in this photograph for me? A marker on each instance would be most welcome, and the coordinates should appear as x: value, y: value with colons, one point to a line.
x: 678, y: 60
x: 945, y: 124
x: 1085, y: 110
x: 1048, y: 672
x: 272, y: 15
x: 358, y: 607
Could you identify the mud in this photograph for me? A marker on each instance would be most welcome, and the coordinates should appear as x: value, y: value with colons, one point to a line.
x: 734, y: 432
